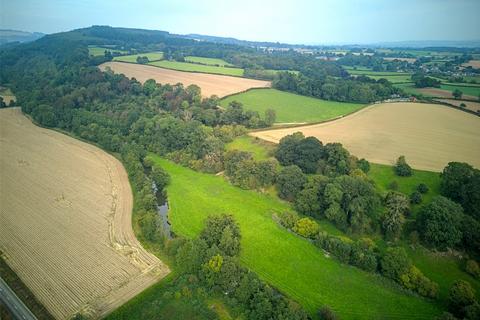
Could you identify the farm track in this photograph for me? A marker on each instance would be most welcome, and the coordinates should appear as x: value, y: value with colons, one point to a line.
x: 428, y: 135
x: 65, y: 221
x: 211, y: 84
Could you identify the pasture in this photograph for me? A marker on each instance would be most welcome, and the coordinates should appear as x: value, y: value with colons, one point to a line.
x: 428, y: 135
x: 209, y: 83
x: 445, y: 91
x: 288, y: 262
x: 208, y: 61
x: 65, y: 221
x: 260, y: 149
x: 100, y: 51
x: 469, y: 105
x: 290, y: 107
x: 194, y: 67
x: 152, y: 56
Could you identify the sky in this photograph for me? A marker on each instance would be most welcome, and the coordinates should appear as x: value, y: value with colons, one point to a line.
x: 297, y: 21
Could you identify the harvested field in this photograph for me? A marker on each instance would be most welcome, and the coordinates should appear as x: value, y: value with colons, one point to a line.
x: 428, y: 135
x: 209, y: 83
x: 65, y: 221
x: 470, y: 105
x: 472, y: 63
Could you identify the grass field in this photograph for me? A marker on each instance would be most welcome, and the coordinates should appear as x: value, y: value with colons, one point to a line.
x: 152, y: 56
x: 376, y: 73
x: 261, y: 150
x: 210, y: 84
x: 428, y: 135
x: 466, y: 89
x: 100, y: 51
x: 208, y: 61
x: 290, y: 107
x: 52, y: 182
x: 393, y: 79
x: 445, y: 90
x: 193, y: 67
x: 290, y: 263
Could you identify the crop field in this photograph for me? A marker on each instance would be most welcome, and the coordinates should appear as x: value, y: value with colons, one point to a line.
x: 65, y: 221
x: 445, y: 90
x: 208, y: 61
x: 473, y: 106
x: 472, y: 63
x: 152, y: 56
x: 288, y: 262
x: 428, y: 135
x: 209, y: 83
x: 194, y: 67
x: 290, y: 107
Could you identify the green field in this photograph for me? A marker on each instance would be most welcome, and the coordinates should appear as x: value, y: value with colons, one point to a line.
x: 260, y: 149
x: 466, y: 89
x: 208, y: 61
x: 377, y: 73
x: 290, y: 107
x: 99, y: 51
x: 383, y: 175
x: 393, y: 79
x: 290, y: 263
x: 193, y: 67
x: 152, y: 56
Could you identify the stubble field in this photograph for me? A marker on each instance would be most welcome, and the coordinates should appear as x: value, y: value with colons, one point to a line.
x: 428, y: 135
x: 65, y: 221
x: 210, y: 84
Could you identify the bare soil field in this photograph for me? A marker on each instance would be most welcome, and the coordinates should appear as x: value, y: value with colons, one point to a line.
x: 472, y: 63
x: 428, y: 135
x: 65, y: 221
x: 210, y: 84
x: 470, y: 105
x: 435, y: 92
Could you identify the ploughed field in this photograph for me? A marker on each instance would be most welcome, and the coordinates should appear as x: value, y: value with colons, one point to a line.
x: 65, y: 221
x: 210, y: 84
x: 428, y: 135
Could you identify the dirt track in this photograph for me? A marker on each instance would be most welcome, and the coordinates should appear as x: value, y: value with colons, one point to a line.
x: 428, y: 135
x: 211, y: 84
x: 65, y: 221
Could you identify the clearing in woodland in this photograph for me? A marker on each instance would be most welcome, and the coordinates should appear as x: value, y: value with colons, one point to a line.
x: 65, y: 221
x: 428, y: 135
x: 210, y: 84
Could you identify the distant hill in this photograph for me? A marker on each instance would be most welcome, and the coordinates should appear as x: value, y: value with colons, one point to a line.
x: 9, y: 36
x: 430, y: 44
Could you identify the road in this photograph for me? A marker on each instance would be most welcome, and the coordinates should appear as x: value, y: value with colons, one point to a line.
x: 14, y: 304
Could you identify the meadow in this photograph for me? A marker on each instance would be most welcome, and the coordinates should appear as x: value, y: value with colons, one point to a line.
x: 445, y: 91
x: 290, y: 107
x: 100, y: 51
x: 260, y: 149
x: 152, y: 56
x: 290, y: 263
x: 194, y: 67
x: 208, y: 61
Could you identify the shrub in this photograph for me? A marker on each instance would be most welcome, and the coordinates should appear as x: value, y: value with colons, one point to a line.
x: 422, y: 188
x: 326, y: 313
x: 306, y: 227
x: 363, y: 165
x: 402, y: 169
x: 416, y: 197
x: 395, y: 263
x: 472, y: 268
x: 460, y: 296
x: 288, y: 219
x: 290, y: 182
x: 416, y: 281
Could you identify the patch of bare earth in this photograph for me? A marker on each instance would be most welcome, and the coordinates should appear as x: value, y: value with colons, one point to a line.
x: 65, y: 221
x: 472, y: 63
x: 428, y: 135
x: 470, y: 105
x: 211, y: 84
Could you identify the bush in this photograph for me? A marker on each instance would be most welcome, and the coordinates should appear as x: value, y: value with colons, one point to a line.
x: 363, y: 165
x: 416, y: 281
x: 395, y: 263
x: 306, y: 227
x: 416, y: 198
x: 402, y: 169
x: 422, y: 188
x: 461, y: 295
x: 326, y: 313
x: 288, y: 219
x: 290, y: 182
x: 472, y: 268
